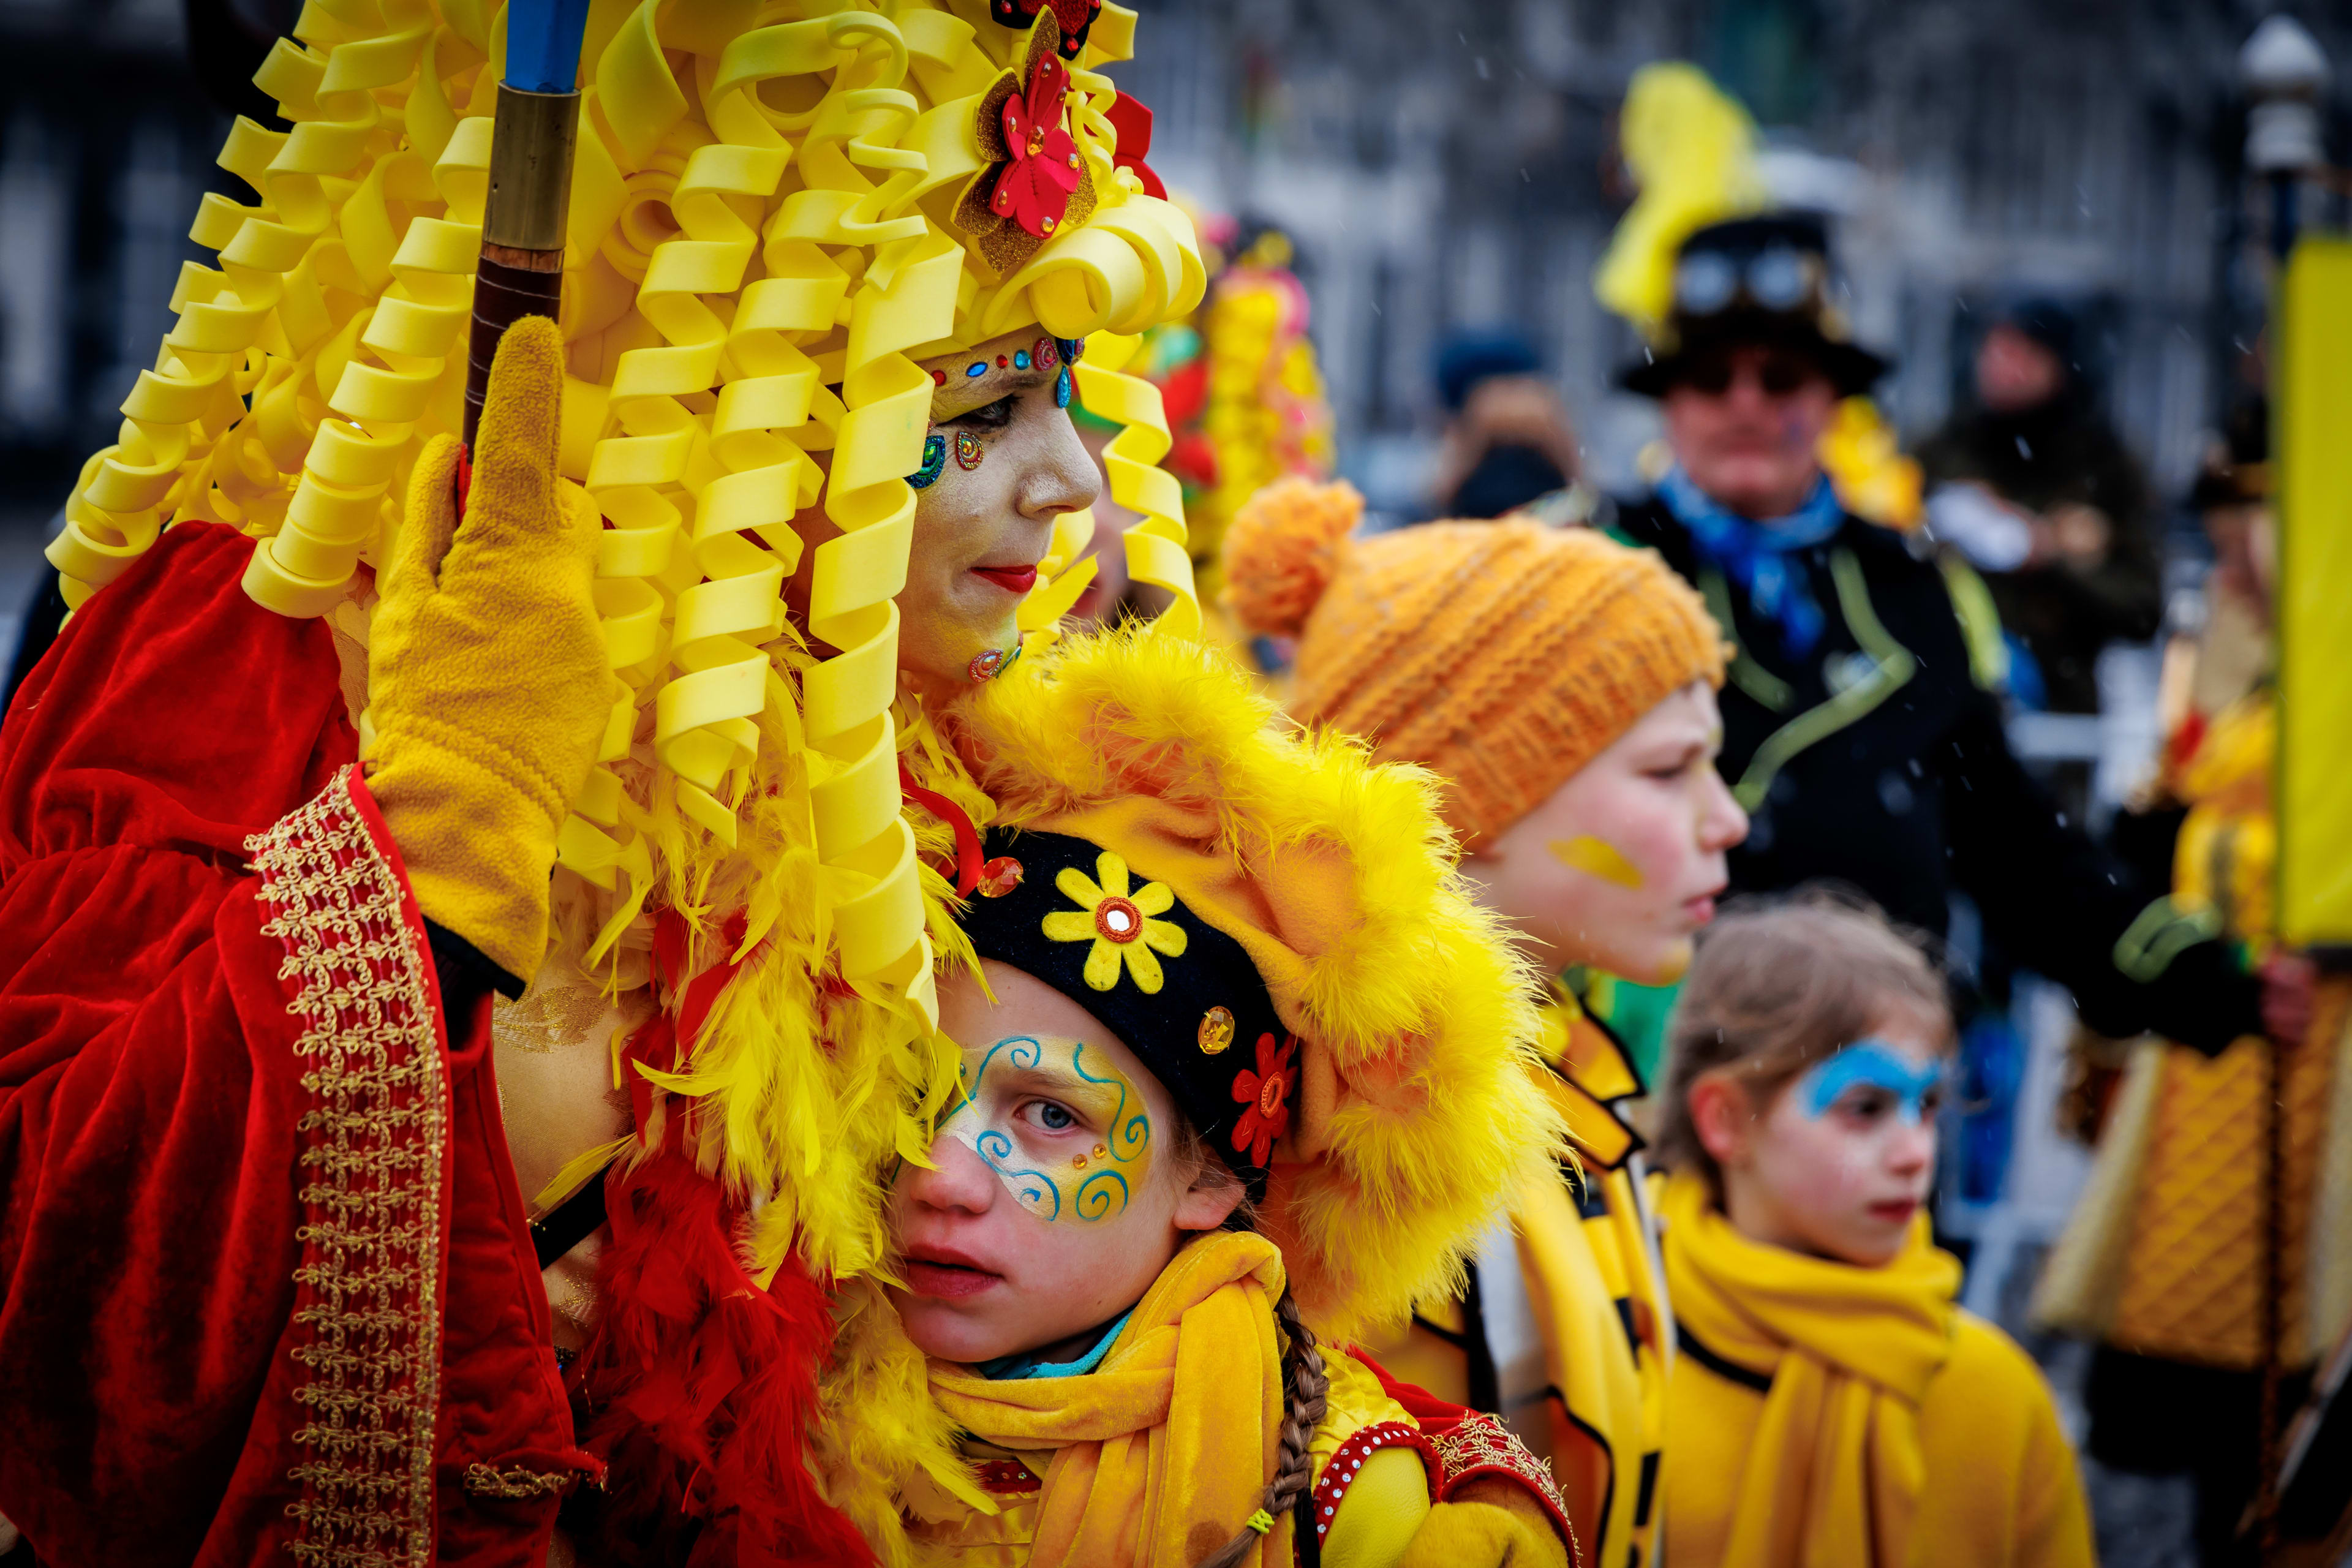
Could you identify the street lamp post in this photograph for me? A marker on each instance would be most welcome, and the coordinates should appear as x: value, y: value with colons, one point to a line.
x: 2283, y: 71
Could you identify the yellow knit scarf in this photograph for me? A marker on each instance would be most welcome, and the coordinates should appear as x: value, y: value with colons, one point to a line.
x: 1834, y: 1473
x: 1159, y: 1453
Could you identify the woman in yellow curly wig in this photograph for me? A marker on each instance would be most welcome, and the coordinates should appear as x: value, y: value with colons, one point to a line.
x: 283, y: 805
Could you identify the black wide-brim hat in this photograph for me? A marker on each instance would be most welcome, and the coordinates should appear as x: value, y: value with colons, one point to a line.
x: 1756, y: 281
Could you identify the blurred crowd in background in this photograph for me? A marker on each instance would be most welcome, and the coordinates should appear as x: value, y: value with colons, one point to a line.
x: 2046, y: 217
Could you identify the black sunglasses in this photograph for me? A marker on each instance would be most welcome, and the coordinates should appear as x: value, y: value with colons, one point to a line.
x: 1779, y: 375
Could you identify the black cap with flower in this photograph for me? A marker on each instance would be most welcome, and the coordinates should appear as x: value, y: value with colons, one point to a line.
x: 1177, y: 991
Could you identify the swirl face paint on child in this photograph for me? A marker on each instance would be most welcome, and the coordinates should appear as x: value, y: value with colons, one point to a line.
x: 1064, y: 1130
x: 1879, y: 1066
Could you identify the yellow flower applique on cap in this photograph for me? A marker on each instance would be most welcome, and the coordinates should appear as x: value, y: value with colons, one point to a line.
x: 1118, y: 923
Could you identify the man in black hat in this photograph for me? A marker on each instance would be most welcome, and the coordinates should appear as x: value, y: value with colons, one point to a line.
x: 1859, y: 729
x: 2075, y: 569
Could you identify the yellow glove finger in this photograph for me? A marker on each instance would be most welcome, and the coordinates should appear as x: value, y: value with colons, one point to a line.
x: 424, y: 530
x: 510, y: 510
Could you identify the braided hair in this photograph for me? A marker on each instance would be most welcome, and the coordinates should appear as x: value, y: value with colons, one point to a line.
x: 1305, y: 1384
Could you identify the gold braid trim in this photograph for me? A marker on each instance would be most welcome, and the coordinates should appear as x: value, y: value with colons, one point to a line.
x: 488, y: 1480
x: 1480, y: 1445
x: 368, y: 1290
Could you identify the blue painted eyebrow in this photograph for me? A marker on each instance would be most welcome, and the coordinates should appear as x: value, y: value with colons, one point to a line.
x: 1878, y: 1064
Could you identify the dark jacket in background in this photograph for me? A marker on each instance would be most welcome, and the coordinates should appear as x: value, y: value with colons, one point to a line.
x: 2061, y: 453
x: 1880, y: 762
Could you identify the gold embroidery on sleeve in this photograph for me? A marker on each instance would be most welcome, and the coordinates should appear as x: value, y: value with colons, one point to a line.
x: 371, y: 1142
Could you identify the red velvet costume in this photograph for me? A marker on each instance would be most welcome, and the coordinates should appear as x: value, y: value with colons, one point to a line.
x: 269, y: 1292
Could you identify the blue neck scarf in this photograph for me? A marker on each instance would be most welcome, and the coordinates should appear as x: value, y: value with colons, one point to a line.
x: 1023, y: 1363
x: 1754, y: 555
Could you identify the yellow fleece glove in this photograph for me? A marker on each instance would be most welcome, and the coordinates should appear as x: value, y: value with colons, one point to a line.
x: 487, y: 686
x: 1483, y: 1535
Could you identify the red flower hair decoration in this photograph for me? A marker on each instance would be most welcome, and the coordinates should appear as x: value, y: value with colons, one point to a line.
x: 1265, y: 1096
x: 1033, y: 187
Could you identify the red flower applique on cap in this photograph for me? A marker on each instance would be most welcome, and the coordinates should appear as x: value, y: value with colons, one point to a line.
x: 1266, y: 1095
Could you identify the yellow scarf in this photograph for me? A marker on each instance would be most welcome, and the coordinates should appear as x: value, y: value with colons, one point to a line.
x: 1834, y: 1476
x: 1159, y: 1453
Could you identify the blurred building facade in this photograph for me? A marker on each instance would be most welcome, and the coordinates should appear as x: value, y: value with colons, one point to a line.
x: 1450, y: 165
x: 1441, y: 165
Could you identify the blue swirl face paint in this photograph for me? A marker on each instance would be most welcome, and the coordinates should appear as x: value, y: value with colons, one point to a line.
x: 1881, y: 1065
x: 1064, y: 1130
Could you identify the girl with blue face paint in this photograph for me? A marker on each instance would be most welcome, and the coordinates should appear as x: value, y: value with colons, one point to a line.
x: 1827, y: 1375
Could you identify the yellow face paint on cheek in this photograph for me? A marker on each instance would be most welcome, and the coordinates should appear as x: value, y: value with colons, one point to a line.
x: 1597, y: 858
x: 1065, y: 1131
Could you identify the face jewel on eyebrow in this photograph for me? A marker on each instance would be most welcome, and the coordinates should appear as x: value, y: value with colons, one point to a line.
x: 1018, y: 359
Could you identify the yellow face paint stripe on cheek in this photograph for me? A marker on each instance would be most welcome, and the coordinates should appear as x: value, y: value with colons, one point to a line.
x: 1597, y: 858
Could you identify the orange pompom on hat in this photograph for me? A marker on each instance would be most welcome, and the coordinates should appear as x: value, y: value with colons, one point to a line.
x: 1502, y: 656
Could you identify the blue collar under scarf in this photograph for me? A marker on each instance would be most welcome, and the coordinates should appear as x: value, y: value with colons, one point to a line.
x: 1754, y: 555
x: 1021, y: 1364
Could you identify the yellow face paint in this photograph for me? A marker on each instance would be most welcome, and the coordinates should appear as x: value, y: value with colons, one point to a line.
x: 1064, y: 1130
x: 1598, y: 859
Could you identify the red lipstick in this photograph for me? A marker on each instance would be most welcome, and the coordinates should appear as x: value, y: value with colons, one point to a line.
x: 1012, y: 579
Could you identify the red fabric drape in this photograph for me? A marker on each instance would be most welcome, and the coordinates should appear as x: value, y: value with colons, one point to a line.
x: 150, y: 1099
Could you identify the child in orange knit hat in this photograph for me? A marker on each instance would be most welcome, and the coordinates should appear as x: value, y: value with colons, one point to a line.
x: 1563, y: 686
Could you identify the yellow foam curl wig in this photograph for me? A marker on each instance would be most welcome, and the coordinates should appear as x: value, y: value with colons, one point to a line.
x: 762, y: 242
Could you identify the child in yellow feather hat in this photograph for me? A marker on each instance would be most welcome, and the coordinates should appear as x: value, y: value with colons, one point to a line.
x: 1832, y: 1403
x: 1563, y: 686
x: 1244, y: 1056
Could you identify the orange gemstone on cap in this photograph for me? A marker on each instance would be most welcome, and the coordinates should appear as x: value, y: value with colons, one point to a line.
x: 1216, y: 1030
x: 998, y: 878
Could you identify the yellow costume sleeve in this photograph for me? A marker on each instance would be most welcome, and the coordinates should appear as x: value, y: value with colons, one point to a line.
x: 1375, y: 1526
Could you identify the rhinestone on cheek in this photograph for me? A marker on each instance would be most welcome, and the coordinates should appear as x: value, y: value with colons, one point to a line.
x: 1118, y: 919
x: 968, y: 450
x: 1216, y: 1030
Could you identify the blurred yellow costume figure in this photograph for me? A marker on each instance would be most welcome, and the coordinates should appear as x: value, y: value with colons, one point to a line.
x: 2167, y: 1261
x: 777, y: 210
x: 1242, y: 392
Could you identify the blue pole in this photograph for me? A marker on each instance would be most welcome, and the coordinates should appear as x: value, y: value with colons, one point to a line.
x: 543, y: 44
x: 521, y: 269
